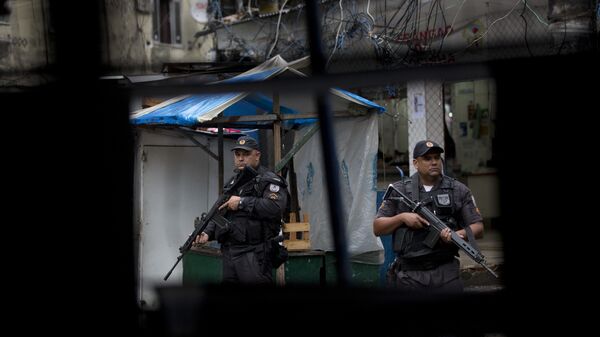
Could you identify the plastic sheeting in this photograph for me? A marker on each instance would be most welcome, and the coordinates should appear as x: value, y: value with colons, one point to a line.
x: 356, y: 149
x: 192, y: 110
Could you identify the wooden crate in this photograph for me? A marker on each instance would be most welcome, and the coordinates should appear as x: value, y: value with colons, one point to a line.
x: 296, y: 234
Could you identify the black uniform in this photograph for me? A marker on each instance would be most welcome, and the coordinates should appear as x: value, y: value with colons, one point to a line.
x: 245, y: 244
x: 417, y: 265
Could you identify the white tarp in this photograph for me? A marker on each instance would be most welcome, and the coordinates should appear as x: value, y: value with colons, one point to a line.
x: 356, y: 144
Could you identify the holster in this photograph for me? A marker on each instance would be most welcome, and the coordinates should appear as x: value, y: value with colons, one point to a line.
x: 392, y: 272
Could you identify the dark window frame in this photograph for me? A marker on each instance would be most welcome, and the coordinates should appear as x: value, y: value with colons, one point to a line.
x: 166, y: 22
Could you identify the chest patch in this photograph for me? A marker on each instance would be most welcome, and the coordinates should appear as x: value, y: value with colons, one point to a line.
x: 443, y: 199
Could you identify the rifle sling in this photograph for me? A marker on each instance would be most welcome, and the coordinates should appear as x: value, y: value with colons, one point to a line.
x: 471, y: 238
x: 415, y: 188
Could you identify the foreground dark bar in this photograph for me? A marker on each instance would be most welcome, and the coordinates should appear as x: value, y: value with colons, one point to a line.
x: 285, y: 311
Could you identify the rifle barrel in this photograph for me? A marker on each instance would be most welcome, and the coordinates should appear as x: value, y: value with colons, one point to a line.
x: 488, y: 269
x: 173, y: 268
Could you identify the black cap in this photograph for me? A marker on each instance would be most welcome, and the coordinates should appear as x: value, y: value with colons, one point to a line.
x: 426, y: 146
x: 245, y: 143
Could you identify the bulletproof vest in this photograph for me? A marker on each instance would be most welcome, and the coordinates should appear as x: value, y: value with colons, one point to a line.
x: 247, y: 228
x: 408, y: 243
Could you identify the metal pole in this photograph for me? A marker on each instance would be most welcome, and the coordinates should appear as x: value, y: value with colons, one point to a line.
x: 336, y: 212
x: 220, y: 151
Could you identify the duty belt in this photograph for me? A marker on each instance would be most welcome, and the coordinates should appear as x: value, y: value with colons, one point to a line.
x: 407, y: 264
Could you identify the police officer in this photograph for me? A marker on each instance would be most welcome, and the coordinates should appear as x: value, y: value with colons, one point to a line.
x: 419, y: 265
x: 255, y: 212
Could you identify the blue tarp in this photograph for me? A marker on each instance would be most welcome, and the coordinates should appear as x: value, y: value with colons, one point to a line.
x: 192, y: 110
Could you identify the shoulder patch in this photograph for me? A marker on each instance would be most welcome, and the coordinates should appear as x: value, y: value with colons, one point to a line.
x: 274, y: 188
x: 473, y: 198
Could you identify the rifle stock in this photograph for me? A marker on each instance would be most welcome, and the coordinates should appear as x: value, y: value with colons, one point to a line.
x: 242, y: 177
x: 438, y: 225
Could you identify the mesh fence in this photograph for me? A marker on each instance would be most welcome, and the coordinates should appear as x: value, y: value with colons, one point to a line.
x: 414, y: 33
x: 367, y: 35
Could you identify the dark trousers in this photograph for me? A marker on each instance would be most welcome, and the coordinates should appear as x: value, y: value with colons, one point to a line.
x: 246, y: 265
x: 443, y: 278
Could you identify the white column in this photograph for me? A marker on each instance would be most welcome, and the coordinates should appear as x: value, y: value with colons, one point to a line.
x: 426, y: 114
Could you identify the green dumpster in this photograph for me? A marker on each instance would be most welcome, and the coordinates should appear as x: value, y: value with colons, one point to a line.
x: 204, y: 265
x: 361, y: 274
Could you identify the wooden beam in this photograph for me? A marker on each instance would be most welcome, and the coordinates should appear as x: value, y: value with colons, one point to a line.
x: 294, y: 206
x: 239, y: 126
x: 297, y: 146
x: 245, y: 118
x: 202, y: 146
x: 316, y: 116
x: 151, y: 101
x: 276, y: 129
x: 274, y: 117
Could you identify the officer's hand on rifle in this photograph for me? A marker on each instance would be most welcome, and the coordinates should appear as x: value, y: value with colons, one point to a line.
x: 414, y: 220
x: 231, y: 204
x: 446, y: 235
x: 200, y: 239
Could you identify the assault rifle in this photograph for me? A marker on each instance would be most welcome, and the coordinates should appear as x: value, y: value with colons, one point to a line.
x: 215, y: 215
x: 438, y: 225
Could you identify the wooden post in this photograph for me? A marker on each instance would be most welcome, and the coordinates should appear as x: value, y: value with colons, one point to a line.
x: 220, y: 146
x: 294, y: 205
x: 276, y: 130
x: 280, y: 273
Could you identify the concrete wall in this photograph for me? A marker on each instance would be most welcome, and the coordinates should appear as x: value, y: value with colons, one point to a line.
x: 130, y: 45
x: 191, y: 49
x: 127, y: 36
x: 24, y: 43
x: 27, y: 46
